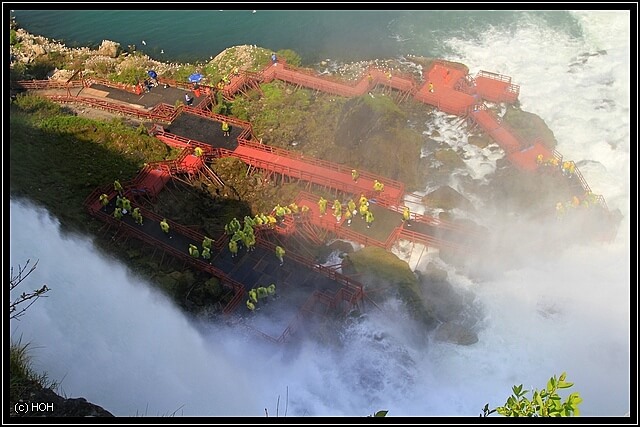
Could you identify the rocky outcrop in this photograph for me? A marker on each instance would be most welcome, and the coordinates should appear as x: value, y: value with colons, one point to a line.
x: 109, y: 48
x: 366, y: 127
x: 453, y: 308
x: 384, y: 274
x: 54, y: 405
x: 447, y: 198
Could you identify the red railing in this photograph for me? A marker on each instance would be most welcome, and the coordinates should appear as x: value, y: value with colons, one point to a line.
x: 324, y: 164
x: 238, y: 288
x: 104, y: 82
x: 49, y: 84
x: 107, y: 106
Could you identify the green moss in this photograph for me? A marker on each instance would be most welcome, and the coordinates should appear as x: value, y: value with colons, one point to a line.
x: 383, y: 106
x: 480, y: 141
x: 384, y: 272
x: 387, y: 267
x: 447, y: 198
x: 449, y: 158
x: 529, y: 126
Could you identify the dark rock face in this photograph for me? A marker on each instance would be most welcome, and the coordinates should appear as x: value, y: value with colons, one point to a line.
x: 372, y: 134
x: 448, y: 306
x: 361, y: 119
x: 57, y: 406
x: 447, y: 198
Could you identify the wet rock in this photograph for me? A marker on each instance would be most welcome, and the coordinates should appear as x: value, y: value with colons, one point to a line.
x: 59, y: 406
x: 447, y: 198
x: 456, y: 334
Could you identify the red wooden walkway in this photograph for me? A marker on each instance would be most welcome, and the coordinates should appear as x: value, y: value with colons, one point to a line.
x: 452, y: 92
x: 317, y: 171
x: 387, y: 228
x: 441, y: 89
x: 446, y: 87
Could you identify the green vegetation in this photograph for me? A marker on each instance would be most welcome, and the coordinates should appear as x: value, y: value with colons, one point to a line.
x: 38, y: 69
x: 354, y: 131
x: 102, y: 66
x: 529, y: 126
x: 22, y: 377
x: 222, y: 106
x: 130, y: 75
x: 268, y: 114
x: 544, y: 403
x: 387, y: 274
x: 290, y: 56
x: 13, y: 37
x: 58, y: 159
x: 182, y: 73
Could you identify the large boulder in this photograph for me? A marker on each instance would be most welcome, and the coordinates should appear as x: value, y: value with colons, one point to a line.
x: 383, y: 275
x: 109, y: 48
x: 529, y: 126
x: 447, y: 198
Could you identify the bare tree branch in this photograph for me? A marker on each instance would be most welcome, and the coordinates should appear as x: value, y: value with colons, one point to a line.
x: 15, y: 311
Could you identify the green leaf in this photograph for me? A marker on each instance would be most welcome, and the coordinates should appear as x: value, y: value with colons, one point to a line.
x: 381, y: 414
x: 563, y: 384
x: 574, y: 399
x: 538, y: 399
x: 563, y: 376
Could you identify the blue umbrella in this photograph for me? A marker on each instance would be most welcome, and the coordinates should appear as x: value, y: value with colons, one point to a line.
x: 152, y: 74
x: 195, y: 77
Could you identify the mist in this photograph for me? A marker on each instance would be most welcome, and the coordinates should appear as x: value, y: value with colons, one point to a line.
x: 110, y: 337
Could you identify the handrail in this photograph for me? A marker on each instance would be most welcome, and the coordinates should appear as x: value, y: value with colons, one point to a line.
x: 299, y: 76
x: 49, y: 84
x: 325, y: 164
x: 183, y: 255
x: 116, y: 85
x: 494, y: 76
x: 108, y: 106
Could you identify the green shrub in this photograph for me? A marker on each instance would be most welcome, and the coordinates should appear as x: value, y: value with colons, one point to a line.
x: 35, y: 104
x: 103, y: 68
x: 129, y: 75
x: 40, y: 68
x: 290, y: 56
x: 545, y: 402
